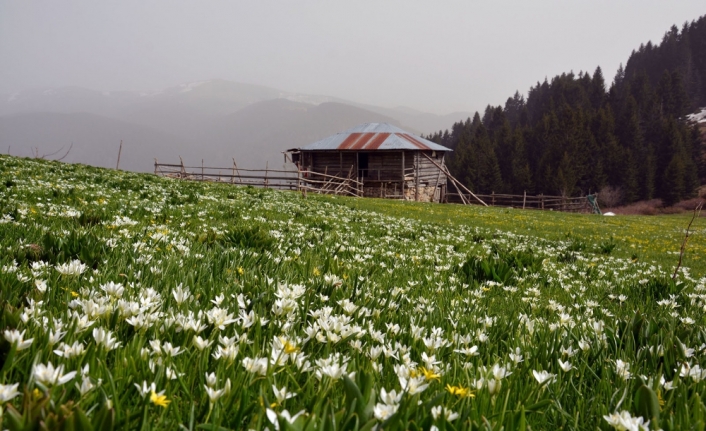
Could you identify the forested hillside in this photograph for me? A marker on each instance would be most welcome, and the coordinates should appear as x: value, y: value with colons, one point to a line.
x: 574, y: 135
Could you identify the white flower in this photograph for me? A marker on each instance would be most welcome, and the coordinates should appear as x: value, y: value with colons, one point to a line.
x: 15, y: 336
x: 75, y: 267
x: 256, y: 366
x: 413, y: 385
x: 113, y: 289
x: 282, y: 394
x: 517, y: 356
x: 47, y: 375
x: 105, y: 338
x: 86, y: 385
x: 543, y: 376
x: 494, y: 386
x: 391, y: 397
x: 566, y: 366
x: 449, y: 415
x: 213, y: 394
x: 181, y: 294
x: 622, y: 369
x: 41, y: 285
x: 623, y: 421
x: 66, y: 351
x: 499, y: 372
x: 273, y: 417
x: 211, y: 380
x: 200, y: 343
x: 8, y: 392
x: 383, y: 412
x: 468, y: 351
x: 145, y: 390
x: 229, y: 352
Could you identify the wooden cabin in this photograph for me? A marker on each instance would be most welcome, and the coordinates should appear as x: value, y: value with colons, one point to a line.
x: 384, y: 160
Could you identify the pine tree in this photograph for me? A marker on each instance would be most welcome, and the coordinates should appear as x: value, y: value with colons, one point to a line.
x: 597, y: 91
x: 521, y: 172
x: 674, y: 187
x: 631, y: 188
x: 566, y: 177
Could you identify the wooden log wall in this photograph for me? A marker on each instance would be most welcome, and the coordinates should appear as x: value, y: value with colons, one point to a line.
x: 384, y: 166
x: 336, y: 163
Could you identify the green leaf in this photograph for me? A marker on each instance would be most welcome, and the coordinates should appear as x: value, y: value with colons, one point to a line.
x: 522, y: 426
x: 538, y: 406
x: 647, y: 404
x: 81, y: 421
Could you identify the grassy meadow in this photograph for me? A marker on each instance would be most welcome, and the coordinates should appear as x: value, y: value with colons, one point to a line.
x: 129, y: 301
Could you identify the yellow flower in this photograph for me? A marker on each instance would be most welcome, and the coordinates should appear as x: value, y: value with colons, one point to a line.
x: 316, y: 271
x: 159, y: 400
x: 289, y: 348
x: 429, y: 374
x: 241, y: 271
x: 460, y: 391
x: 36, y: 394
x: 74, y: 294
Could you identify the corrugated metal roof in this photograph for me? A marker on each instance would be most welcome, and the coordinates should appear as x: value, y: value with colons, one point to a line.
x: 374, y: 136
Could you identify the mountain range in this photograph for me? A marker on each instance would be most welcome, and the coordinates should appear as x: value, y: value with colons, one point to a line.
x: 214, y: 121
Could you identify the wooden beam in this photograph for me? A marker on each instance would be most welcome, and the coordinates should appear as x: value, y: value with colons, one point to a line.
x: 454, y: 180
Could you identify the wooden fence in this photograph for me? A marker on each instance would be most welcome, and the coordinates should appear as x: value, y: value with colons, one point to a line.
x: 305, y: 181
x: 541, y: 202
x: 315, y: 182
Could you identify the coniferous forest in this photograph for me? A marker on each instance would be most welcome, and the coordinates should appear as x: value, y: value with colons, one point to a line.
x: 575, y: 135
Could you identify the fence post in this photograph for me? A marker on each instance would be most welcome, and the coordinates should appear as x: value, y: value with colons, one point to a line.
x: 492, y: 198
x: 524, y: 199
x: 202, y: 178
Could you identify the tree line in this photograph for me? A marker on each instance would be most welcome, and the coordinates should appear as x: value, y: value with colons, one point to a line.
x: 573, y: 135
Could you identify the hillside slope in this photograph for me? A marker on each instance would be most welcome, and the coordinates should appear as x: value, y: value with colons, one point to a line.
x: 214, y: 306
x: 95, y: 139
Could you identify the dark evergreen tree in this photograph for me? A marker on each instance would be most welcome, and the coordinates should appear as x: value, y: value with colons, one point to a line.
x: 571, y: 136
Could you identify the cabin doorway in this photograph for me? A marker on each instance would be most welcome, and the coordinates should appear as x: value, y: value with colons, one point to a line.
x: 362, y: 165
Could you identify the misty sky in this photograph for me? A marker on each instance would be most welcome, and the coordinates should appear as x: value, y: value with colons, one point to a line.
x: 435, y: 56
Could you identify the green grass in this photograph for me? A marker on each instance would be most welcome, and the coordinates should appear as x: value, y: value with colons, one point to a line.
x: 195, y: 305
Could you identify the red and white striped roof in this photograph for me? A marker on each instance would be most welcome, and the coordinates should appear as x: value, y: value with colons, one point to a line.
x: 374, y: 136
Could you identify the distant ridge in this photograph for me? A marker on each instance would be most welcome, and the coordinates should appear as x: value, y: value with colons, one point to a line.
x: 216, y: 120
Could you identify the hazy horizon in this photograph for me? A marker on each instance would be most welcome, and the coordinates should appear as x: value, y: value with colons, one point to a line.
x: 432, y: 57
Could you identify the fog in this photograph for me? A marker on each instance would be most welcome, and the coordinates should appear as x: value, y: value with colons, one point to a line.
x: 436, y: 57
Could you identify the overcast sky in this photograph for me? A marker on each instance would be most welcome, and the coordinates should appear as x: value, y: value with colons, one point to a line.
x: 436, y: 56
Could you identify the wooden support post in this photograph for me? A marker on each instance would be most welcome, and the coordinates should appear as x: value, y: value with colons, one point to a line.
x: 117, y: 165
x: 267, y: 167
x: 455, y: 181
x: 155, y: 166
x: 183, y: 169
x: 202, y: 170
x: 235, y: 166
x: 492, y: 198
x: 524, y: 199
x: 403, y: 179
x: 416, y: 177
x: 436, y: 184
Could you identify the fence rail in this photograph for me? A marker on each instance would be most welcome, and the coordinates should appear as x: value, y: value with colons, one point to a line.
x: 541, y: 202
x: 316, y: 182
x: 305, y: 181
